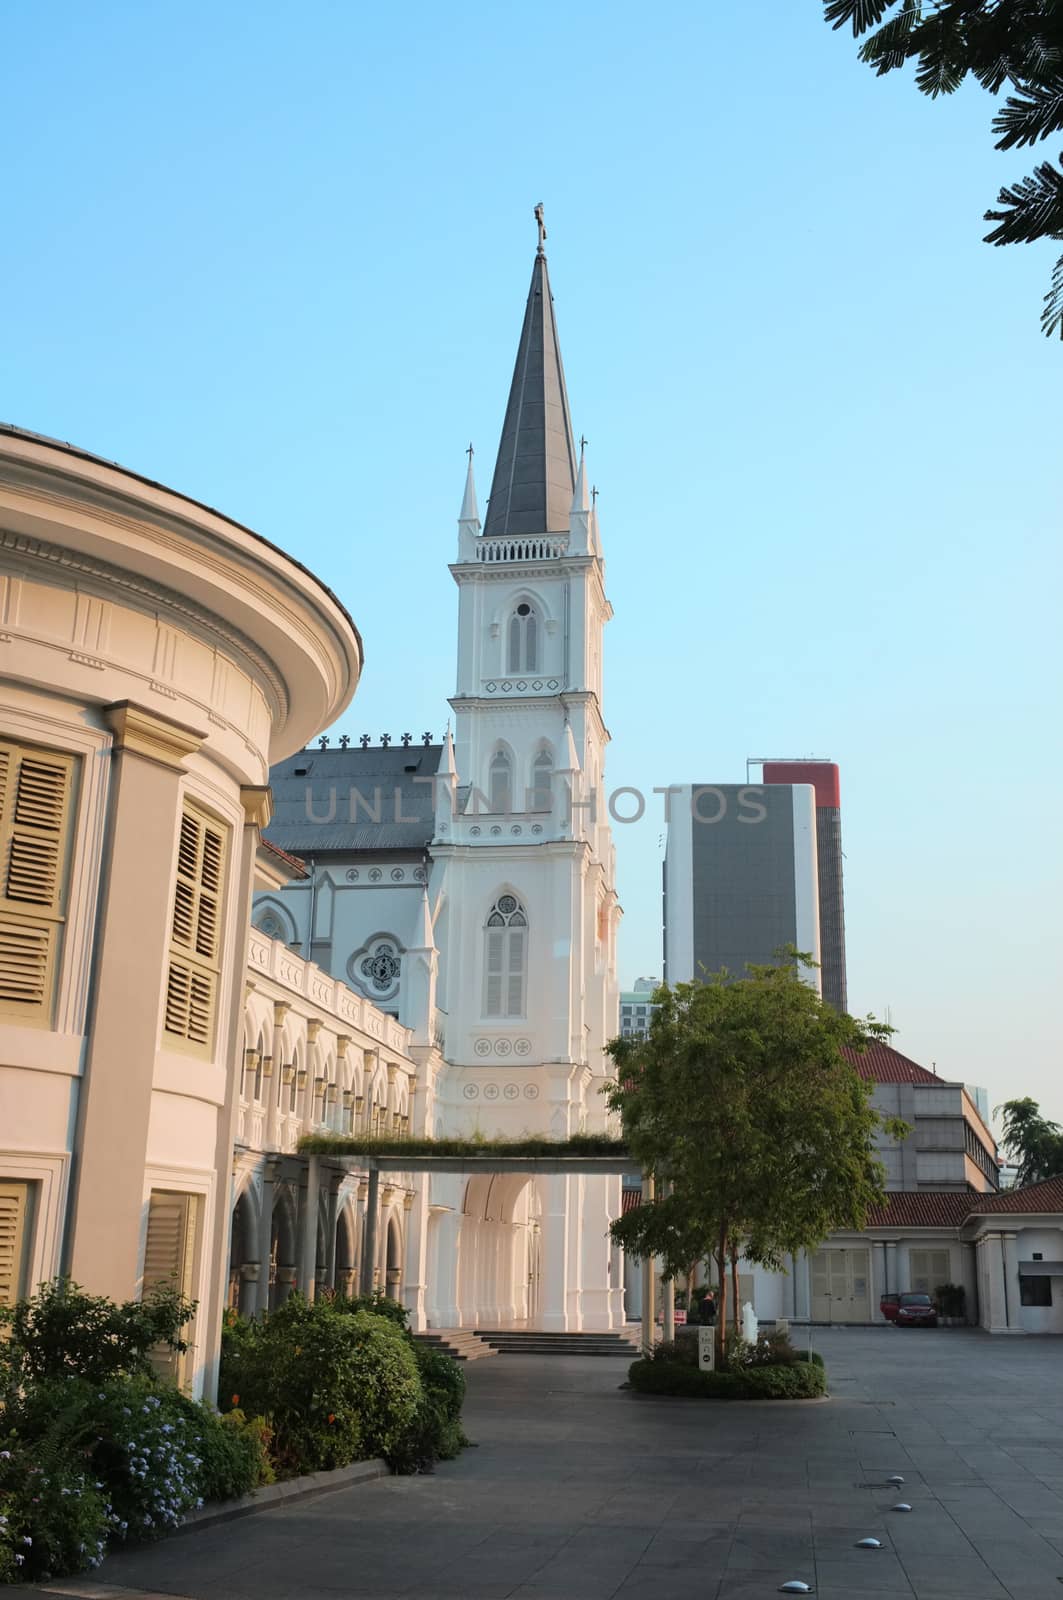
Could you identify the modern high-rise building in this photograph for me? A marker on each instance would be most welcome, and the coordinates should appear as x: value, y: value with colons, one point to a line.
x: 741, y: 879
x: 823, y: 776
x: 636, y: 1007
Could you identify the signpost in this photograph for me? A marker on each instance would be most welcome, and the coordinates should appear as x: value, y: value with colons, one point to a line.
x: 706, y: 1349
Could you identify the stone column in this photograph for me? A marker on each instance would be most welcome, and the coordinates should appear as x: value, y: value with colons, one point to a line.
x: 668, y: 1309
x: 892, y: 1269
x: 596, y: 1296
x: 132, y: 951
x: 372, y: 1210
x: 416, y: 1281
x: 447, y: 1258
x: 878, y: 1279
x: 265, y: 1234
x: 617, y: 1308
x: 803, y: 1287
x: 308, y: 1248
x: 555, y: 1265
x: 1012, y: 1295
x: 331, y: 1213
x: 995, y: 1307
x: 258, y: 808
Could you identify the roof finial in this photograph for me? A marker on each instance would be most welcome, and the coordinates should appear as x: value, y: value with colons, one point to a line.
x: 470, y: 452
x: 583, y: 442
x: 542, y: 228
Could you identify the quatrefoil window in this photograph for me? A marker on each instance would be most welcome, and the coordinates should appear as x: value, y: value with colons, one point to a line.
x: 376, y: 968
x: 381, y: 968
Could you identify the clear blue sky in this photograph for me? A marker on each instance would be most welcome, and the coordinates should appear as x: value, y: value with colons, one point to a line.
x: 277, y: 258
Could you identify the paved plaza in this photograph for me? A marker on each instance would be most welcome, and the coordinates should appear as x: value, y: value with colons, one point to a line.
x: 578, y: 1491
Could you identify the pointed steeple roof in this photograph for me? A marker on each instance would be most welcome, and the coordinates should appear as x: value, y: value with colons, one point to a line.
x: 535, y: 474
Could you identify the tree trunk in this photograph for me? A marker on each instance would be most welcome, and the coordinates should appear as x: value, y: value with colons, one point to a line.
x: 721, y: 1306
x: 736, y: 1312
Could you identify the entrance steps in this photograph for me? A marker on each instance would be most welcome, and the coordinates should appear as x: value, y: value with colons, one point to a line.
x: 532, y: 1342
x: 461, y: 1343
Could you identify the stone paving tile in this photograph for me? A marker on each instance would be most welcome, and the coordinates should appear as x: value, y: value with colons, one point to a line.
x: 580, y: 1492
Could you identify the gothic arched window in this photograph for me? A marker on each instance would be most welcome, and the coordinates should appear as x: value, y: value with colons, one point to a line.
x: 542, y: 798
x: 505, y: 958
x: 523, y: 640
x: 500, y: 782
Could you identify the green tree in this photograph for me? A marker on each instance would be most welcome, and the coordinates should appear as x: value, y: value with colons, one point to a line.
x: 1035, y: 1144
x: 756, y: 1129
x: 1003, y: 44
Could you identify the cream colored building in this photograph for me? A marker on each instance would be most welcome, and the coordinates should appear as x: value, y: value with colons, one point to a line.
x: 155, y: 659
x: 317, y: 1057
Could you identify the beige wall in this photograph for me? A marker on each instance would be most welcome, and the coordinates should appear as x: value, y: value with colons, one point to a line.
x: 172, y: 655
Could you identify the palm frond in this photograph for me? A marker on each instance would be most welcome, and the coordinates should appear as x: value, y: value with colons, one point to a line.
x: 1031, y: 209
x: 863, y: 14
x: 943, y: 57
x: 1032, y: 115
x: 1052, y: 315
x: 893, y: 44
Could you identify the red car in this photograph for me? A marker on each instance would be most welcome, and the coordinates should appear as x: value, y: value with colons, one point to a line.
x: 888, y: 1306
x: 916, y: 1311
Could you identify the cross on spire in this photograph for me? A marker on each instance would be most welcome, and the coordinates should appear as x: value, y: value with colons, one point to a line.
x: 541, y: 226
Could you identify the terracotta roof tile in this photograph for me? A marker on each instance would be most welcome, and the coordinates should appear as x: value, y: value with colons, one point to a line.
x: 907, y: 1208
x: 882, y: 1064
x: 283, y: 855
x: 1033, y: 1197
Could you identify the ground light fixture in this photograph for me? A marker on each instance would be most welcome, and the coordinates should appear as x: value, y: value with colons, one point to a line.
x: 869, y: 1544
x: 795, y: 1586
x: 902, y: 1505
x: 895, y: 1478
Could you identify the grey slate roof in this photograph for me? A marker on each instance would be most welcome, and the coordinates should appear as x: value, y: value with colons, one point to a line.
x: 320, y: 800
x: 535, y: 473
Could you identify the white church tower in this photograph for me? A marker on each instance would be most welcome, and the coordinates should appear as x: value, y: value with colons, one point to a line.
x: 483, y: 916
x: 525, y: 908
x: 524, y: 864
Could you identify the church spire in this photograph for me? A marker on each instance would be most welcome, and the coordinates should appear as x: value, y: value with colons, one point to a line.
x: 535, y: 474
x: 469, y: 510
x: 469, y: 520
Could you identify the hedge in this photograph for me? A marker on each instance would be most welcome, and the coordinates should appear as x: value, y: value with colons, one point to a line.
x: 803, y: 1380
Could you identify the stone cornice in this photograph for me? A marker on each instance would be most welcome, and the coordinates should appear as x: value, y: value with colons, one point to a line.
x: 146, y: 595
x: 146, y: 733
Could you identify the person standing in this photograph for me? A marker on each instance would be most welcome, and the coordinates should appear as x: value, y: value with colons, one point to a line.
x: 707, y: 1312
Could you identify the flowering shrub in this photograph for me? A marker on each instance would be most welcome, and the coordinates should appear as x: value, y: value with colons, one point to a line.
x: 95, y: 1448
x: 132, y: 1438
x: 54, y: 1516
x: 769, y: 1350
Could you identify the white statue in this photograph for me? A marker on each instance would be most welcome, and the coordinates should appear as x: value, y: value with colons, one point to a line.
x: 749, y: 1323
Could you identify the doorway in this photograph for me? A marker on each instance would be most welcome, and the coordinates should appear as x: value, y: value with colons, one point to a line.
x: 841, y: 1286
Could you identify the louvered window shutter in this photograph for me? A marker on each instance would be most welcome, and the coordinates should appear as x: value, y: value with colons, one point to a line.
x: 14, y: 1208
x: 195, y: 937
x: 495, y: 954
x: 35, y: 810
x: 515, y: 974
x: 169, y: 1252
